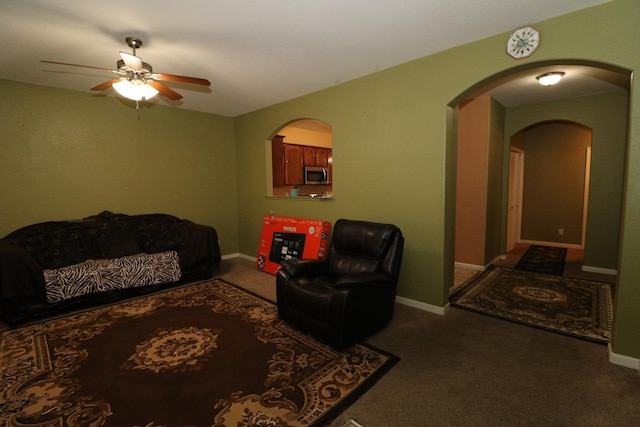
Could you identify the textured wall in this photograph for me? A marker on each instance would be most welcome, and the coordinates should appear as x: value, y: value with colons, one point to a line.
x: 67, y: 155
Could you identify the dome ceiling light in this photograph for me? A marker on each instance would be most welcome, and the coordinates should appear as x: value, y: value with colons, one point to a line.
x: 549, y: 79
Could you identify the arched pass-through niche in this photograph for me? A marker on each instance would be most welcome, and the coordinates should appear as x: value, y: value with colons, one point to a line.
x: 301, y: 160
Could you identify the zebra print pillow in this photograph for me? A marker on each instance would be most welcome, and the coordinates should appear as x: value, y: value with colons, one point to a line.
x: 108, y: 274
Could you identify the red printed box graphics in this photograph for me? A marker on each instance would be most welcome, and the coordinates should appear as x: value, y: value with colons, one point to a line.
x: 284, y: 238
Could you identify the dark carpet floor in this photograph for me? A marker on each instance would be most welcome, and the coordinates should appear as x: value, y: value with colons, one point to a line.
x: 468, y: 369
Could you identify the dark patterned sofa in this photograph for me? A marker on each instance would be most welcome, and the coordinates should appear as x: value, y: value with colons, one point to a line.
x: 54, y: 267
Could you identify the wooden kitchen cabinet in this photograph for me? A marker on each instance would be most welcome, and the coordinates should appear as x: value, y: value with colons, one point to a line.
x: 277, y: 160
x: 322, y: 156
x: 293, y: 164
x: 316, y: 156
x: 309, y: 156
x: 289, y: 160
x: 287, y: 163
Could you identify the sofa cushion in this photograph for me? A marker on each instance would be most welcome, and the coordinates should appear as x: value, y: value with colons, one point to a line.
x: 108, y: 274
x: 118, y: 245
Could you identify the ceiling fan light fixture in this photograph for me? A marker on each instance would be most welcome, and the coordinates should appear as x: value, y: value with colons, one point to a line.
x: 549, y: 79
x: 136, y: 80
x: 136, y: 90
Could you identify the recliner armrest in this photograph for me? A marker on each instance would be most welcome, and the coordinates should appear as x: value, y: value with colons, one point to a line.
x: 306, y: 267
x: 365, y: 280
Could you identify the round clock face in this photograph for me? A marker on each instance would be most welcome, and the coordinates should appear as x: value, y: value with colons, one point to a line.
x: 523, y: 42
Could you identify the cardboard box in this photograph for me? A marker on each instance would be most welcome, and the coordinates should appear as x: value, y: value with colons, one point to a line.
x: 285, y: 238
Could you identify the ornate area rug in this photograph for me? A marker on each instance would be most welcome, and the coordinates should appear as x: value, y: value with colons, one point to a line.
x: 575, y: 307
x: 543, y: 260
x: 207, y: 354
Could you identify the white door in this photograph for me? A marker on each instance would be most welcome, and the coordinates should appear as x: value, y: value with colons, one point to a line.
x: 514, y: 201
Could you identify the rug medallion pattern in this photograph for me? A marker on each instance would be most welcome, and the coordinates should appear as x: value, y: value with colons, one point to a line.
x: 207, y: 354
x: 575, y: 307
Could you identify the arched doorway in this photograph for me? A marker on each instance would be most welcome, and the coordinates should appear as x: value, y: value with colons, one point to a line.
x: 504, y: 121
x: 549, y: 176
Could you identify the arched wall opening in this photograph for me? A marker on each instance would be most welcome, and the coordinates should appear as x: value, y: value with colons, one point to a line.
x: 300, y: 159
x: 548, y: 187
x: 606, y: 113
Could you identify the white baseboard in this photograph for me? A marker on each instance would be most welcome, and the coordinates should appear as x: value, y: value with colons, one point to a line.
x: 616, y: 359
x: 608, y: 271
x: 249, y: 257
x: 552, y: 244
x: 401, y: 300
x: 470, y: 266
x: 622, y: 360
x: 423, y: 305
x: 239, y: 255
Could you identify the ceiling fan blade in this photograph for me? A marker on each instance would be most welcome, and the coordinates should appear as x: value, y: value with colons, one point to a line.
x: 169, y: 93
x: 183, y: 79
x: 78, y: 65
x: 105, y: 85
x: 132, y: 61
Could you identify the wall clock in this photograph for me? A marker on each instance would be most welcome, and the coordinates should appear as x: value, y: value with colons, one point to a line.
x: 523, y: 42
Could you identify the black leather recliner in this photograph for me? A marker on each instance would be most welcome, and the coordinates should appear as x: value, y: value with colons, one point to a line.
x: 349, y: 295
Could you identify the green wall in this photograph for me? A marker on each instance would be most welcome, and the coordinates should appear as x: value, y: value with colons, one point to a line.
x: 67, y: 155
x: 497, y: 161
x: 393, y: 156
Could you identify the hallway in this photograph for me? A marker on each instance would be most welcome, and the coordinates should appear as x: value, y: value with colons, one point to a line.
x: 572, y: 267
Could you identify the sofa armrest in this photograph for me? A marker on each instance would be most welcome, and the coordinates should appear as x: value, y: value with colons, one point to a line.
x: 306, y: 267
x: 200, y: 253
x: 20, y: 275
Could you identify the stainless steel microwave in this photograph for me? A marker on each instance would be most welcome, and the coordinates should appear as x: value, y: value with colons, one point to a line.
x: 316, y: 175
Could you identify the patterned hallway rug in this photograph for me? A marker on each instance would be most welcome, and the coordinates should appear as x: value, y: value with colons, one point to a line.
x: 543, y: 260
x: 207, y: 354
x: 574, y: 307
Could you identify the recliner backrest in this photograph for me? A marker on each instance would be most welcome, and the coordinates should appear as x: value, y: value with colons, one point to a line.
x: 361, y: 246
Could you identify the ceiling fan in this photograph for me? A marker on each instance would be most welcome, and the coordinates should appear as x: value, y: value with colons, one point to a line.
x: 136, y: 79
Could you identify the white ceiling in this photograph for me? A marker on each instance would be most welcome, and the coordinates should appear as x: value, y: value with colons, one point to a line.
x: 520, y: 88
x: 255, y: 52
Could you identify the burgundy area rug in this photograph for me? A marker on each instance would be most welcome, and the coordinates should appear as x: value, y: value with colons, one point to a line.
x: 207, y: 354
x: 574, y: 307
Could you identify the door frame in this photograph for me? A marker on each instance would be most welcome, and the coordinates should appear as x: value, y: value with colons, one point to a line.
x: 516, y: 180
